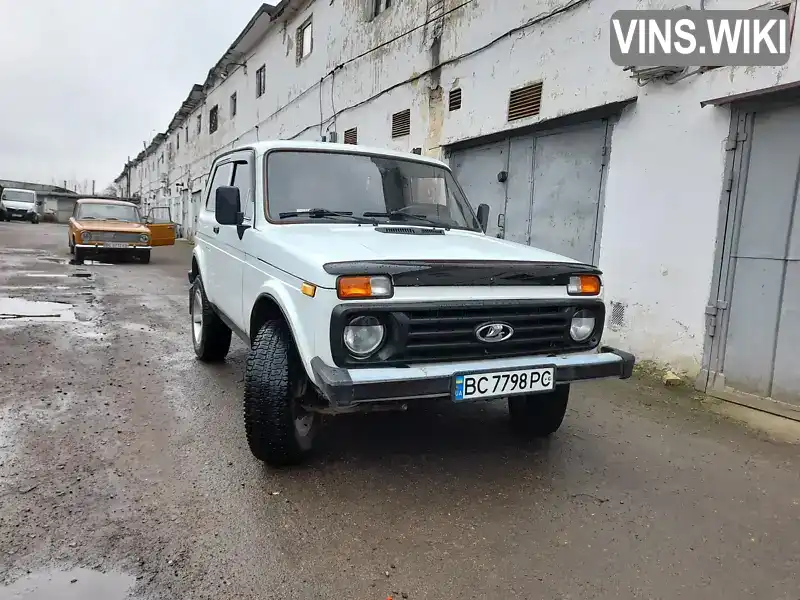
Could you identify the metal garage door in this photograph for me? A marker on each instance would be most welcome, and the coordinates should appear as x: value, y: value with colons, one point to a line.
x: 756, y: 343
x: 543, y: 189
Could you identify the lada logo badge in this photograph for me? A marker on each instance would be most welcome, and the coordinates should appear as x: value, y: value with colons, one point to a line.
x: 494, y: 332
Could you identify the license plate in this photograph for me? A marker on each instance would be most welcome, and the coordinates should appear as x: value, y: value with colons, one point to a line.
x: 115, y: 245
x: 497, y: 384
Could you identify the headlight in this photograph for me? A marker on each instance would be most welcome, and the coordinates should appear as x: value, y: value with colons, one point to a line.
x: 144, y: 238
x: 363, y: 336
x: 582, y: 325
x: 379, y: 286
x: 86, y: 236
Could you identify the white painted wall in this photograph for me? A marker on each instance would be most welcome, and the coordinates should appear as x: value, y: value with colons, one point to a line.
x: 665, y: 172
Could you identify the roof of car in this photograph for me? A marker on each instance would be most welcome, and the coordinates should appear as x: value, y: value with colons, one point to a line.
x: 102, y: 201
x: 266, y: 146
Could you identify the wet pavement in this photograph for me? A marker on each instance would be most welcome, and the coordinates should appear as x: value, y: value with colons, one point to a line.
x: 124, y: 472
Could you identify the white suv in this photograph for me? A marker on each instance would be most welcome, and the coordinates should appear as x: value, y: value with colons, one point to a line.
x: 361, y: 279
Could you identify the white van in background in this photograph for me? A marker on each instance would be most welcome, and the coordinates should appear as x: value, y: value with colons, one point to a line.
x: 21, y: 204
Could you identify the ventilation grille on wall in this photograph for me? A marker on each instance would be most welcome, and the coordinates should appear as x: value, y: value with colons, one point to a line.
x: 401, y: 123
x: 351, y: 136
x: 455, y: 99
x: 525, y: 102
x: 616, y: 321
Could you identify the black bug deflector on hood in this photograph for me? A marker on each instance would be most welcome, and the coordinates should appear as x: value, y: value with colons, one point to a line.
x: 416, y: 273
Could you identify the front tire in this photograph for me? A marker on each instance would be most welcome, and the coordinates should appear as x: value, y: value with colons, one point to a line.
x: 71, y: 246
x: 79, y: 256
x: 144, y: 257
x: 279, y: 431
x: 210, y: 336
x: 538, y: 415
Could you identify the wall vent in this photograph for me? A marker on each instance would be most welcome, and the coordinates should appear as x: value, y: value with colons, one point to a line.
x: 401, y: 123
x: 617, y: 320
x: 351, y: 136
x: 455, y: 99
x: 525, y: 102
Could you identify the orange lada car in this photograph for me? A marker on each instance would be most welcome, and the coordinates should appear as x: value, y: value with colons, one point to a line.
x: 110, y: 228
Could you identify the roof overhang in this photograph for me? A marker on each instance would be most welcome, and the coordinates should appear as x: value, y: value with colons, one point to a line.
x: 775, y: 92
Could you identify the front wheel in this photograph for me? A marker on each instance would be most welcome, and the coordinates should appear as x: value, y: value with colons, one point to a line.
x: 279, y: 431
x: 144, y: 257
x: 71, y: 246
x: 538, y: 415
x: 210, y: 336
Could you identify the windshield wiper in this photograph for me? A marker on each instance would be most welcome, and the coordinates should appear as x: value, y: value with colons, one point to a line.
x: 322, y: 213
x: 399, y: 215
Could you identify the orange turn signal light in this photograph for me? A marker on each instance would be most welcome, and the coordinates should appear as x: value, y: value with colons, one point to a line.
x: 309, y: 289
x: 366, y: 286
x: 584, y: 285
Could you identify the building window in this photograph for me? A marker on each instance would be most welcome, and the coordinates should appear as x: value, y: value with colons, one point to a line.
x: 199, y: 124
x: 304, y: 40
x: 177, y: 142
x: 213, y: 119
x: 378, y: 6
x: 186, y: 131
x: 261, y: 81
x: 233, y: 104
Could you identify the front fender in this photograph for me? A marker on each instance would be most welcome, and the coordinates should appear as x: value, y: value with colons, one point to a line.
x: 301, y: 314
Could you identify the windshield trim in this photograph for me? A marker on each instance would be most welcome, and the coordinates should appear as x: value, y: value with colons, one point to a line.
x: 79, y: 216
x: 443, y: 166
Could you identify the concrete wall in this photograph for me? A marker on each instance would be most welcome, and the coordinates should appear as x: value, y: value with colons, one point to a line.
x: 665, y: 172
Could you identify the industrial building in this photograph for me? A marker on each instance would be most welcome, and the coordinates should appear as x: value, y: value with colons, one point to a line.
x: 680, y: 184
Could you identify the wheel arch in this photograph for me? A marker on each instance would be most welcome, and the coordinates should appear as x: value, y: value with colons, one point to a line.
x: 270, y: 305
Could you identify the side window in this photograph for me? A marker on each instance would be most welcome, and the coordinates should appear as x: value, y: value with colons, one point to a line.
x: 243, y: 179
x: 222, y: 177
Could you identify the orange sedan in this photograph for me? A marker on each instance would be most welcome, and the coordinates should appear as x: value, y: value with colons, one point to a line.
x: 114, y: 228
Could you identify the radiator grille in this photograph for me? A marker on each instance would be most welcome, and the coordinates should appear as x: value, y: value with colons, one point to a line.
x: 449, y: 334
x: 114, y: 236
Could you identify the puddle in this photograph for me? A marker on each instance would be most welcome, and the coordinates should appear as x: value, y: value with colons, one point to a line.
x: 60, y: 261
x: 13, y: 288
x: 78, y: 584
x: 19, y: 309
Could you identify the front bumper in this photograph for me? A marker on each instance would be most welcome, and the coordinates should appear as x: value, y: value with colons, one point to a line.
x: 100, y: 248
x: 346, y: 387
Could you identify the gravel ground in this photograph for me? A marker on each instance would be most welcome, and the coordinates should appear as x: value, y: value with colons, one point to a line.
x: 124, y: 472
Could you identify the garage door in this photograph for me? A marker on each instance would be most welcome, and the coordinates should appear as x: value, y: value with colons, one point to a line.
x: 756, y: 344
x: 543, y: 189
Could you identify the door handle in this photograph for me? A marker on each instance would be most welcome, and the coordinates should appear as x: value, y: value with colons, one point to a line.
x: 216, y: 229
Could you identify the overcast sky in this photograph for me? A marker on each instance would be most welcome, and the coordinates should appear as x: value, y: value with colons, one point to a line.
x: 85, y: 82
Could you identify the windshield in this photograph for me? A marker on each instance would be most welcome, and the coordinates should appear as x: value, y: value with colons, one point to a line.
x: 109, y: 212
x: 18, y: 196
x: 422, y: 193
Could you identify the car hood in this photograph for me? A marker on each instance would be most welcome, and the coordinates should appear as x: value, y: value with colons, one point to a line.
x: 340, y: 243
x: 123, y: 226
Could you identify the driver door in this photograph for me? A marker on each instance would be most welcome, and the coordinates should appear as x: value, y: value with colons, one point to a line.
x: 162, y: 229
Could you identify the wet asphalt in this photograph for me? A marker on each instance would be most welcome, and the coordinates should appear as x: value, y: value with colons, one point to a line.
x: 124, y: 472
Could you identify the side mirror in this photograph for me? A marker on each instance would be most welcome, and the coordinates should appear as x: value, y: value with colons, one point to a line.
x: 228, y: 210
x: 483, y: 216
